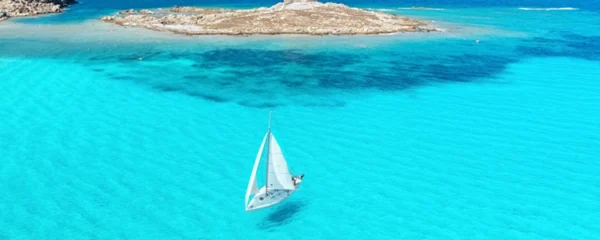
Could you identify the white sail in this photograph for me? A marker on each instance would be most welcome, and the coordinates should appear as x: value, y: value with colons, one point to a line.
x: 252, y: 185
x: 279, y: 176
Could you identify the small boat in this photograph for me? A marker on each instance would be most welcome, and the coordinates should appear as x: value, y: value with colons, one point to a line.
x: 280, y: 184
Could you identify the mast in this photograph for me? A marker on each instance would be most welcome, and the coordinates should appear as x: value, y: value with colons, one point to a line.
x: 268, y: 154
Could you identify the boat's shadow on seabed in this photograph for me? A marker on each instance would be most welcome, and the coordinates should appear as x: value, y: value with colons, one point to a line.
x: 281, y: 215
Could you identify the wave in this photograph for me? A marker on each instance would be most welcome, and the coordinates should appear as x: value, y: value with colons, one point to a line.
x: 381, y: 9
x: 549, y: 9
x: 421, y: 8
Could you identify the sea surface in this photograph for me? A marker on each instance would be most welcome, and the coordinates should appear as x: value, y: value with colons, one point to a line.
x: 124, y: 133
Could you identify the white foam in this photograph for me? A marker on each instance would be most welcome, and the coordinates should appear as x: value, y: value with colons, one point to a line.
x: 381, y: 9
x: 549, y: 9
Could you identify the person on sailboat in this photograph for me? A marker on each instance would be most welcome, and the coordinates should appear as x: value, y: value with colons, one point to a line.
x: 297, y: 179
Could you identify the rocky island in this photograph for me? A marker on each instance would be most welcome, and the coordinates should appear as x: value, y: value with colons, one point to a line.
x: 289, y: 17
x: 22, y: 8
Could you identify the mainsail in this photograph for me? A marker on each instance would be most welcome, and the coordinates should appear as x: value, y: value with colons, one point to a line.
x: 278, y: 175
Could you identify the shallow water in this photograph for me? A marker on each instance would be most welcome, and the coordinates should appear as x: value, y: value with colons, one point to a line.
x: 412, y: 136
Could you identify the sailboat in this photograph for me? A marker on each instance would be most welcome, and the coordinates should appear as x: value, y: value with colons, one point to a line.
x: 280, y: 184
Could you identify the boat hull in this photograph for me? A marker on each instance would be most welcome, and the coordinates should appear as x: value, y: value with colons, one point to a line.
x: 266, y: 199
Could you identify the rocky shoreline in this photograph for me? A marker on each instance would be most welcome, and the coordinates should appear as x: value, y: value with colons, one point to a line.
x: 23, y: 8
x: 290, y: 17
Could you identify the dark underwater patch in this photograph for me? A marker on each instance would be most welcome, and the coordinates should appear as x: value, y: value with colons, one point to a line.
x: 335, y: 79
x: 414, y: 71
x: 246, y: 58
x: 292, y: 83
x: 193, y: 77
x: 272, y: 78
x: 272, y: 58
x: 563, y: 45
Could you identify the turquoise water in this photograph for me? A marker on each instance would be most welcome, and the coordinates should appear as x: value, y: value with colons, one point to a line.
x: 409, y: 136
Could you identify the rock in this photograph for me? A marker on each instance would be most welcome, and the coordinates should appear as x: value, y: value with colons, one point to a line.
x: 127, y: 12
x: 146, y: 11
x: 290, y: 17
x: 108, y: 18
x: 20, y: 8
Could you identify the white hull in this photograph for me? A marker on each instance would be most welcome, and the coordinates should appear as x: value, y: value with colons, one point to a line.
x: 262, y: 200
